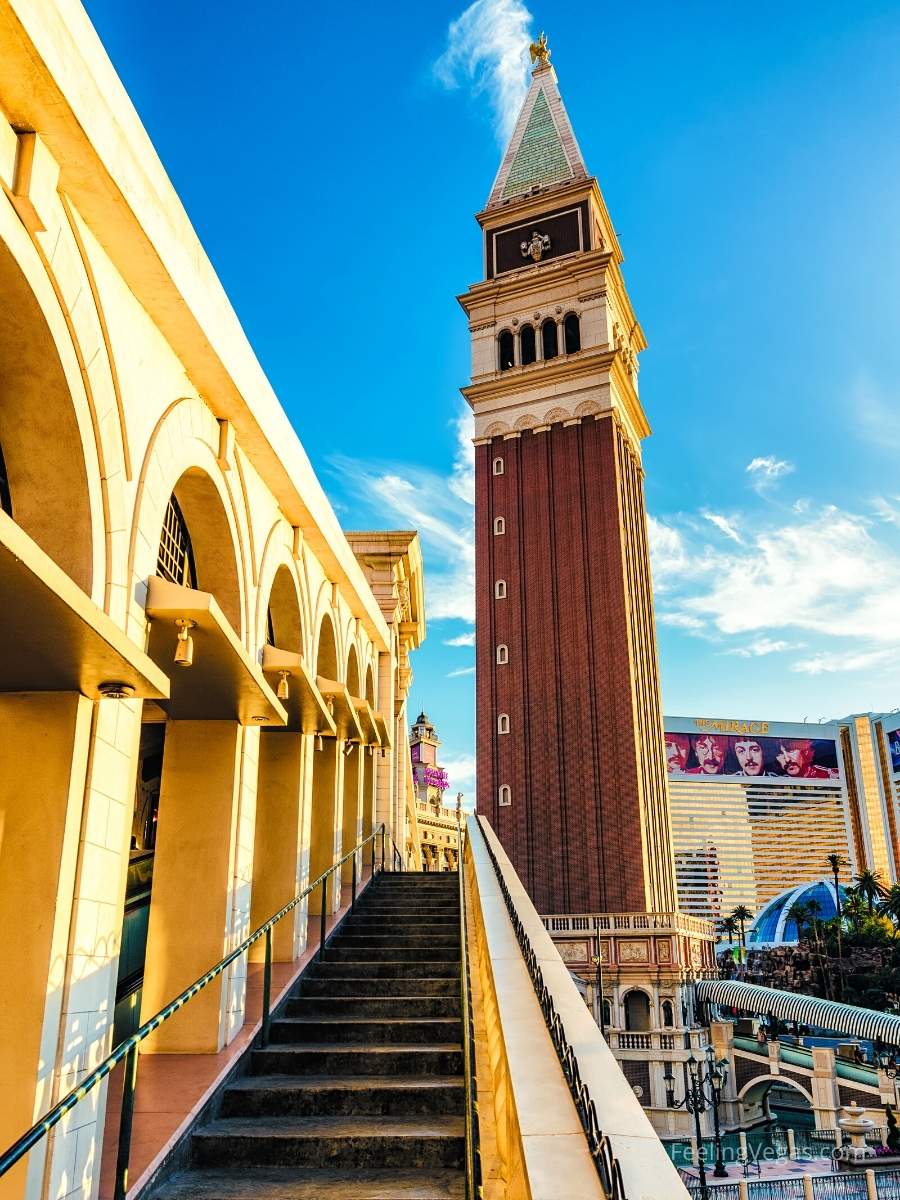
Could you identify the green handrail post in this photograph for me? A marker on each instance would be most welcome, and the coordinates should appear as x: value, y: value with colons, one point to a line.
x: 323, y: 919
x: 267, y: 990
x: 382, y: 846
x: 353, y: 887
x: 126, y: 1121
x: 373, y: 858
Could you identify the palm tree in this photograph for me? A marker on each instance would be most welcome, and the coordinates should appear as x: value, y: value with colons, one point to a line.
x: 889, y: 906
x: 729, y: 927
x: 799, y: 913
x: 870, y: 887
x: 854, y: 907
x: 742, y: 914
x: 835, y: 862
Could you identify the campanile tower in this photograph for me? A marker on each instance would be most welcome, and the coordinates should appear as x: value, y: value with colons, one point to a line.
x: 571, y: 771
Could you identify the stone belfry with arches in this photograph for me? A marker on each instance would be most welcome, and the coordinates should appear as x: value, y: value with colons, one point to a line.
x: 570, y: 761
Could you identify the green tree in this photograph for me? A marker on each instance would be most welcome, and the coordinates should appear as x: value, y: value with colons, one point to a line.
x: 742, y: 914
x: 835, y: 862
x: 889, y: 905
x: 729, y: 927
x: 870, y: 887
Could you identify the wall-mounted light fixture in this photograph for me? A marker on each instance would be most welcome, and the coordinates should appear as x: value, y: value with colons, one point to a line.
x: 284, y: 690
x: 320, y: 742
x: 348, y: 749
x: 184, y: 650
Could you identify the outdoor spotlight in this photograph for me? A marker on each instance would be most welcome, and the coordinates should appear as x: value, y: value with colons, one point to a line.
x: 184, y: 651
x: 115, y: 691
x: 320, y: 744
x: 348, y: 748
x: 283, y: 689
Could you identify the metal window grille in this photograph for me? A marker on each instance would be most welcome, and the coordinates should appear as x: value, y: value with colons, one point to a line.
x: 176, y: 556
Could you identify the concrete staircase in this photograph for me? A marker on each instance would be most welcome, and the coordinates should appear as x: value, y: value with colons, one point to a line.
x: 360, y: 1093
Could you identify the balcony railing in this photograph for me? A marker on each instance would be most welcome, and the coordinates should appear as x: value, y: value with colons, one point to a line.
x: 677, y: 922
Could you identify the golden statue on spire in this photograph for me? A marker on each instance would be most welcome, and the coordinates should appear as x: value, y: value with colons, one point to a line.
x: 540, y: 51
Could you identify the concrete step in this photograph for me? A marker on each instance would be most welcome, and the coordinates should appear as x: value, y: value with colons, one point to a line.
x: 327, y: 1058
x: 297, y: 1183
x: 411, y: 920
x: 426, y: 968
x: 338, y: 952
x: 366, y: 1007
x: 360, y: 985
x: 389, y: 938
x: 341, y: 1030
x: 410, y: 1143
x: 358, y: 1095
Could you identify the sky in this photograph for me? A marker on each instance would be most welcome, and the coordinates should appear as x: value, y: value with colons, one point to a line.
x: 331, y: 162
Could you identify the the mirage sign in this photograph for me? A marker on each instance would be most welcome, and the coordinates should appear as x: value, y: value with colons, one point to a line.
x: 704, y: 748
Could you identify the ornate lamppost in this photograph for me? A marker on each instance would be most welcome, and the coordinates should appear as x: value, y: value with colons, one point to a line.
x: 704, y: 1092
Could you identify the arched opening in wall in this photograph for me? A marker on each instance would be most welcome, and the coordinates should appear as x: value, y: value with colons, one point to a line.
x: 637, y: 1012
x: 278, y: 851
x: 506, y: 350
x: 502, y: 655
x: 500, y: 589
x: 780, y: 1100
x: 572, y: 333
x: 499, y: 526
x: 498, y: 466
x: 607, y: 1014
x: 46, y: 482
x: 324, y: 832
x: 504, y: 795
x: 549, y: 338
x: 186, y: 773
x: 528, y: 344
x: 668, y: 1014
x: 352, y: 806
x: 369, y: 768
x: 503, y: 723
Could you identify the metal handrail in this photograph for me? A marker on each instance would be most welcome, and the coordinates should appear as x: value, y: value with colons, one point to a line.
x: 474, y: 1188
x: 128, y: 1049
x: 608, y: 1167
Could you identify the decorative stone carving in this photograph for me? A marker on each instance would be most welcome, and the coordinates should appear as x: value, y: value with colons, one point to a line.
x: 496, y: 429
x: 525, y: 422
x: 587, y: 408
x: 634, y: 952
x: 572, y: 952
x: 534, y: 249
x: 556, y: 414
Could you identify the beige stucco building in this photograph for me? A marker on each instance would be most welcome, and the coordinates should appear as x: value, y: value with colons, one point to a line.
x: 183, y: 620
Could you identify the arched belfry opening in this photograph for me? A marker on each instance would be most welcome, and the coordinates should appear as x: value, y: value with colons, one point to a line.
x: 637, y: 1011
x: 327, y: 778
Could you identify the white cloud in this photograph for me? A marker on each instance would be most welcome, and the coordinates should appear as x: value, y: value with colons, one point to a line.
x: 439, y: 506
x: 487, y: 45
x: 766, y: 471
x: 461, y: 773
x: 763, y: 646
x: 460, y: 671
x: 463, y: 639
x: 722, y: 524
x: 680, y: 620
x: 667, y: 552
x: 853, y: 660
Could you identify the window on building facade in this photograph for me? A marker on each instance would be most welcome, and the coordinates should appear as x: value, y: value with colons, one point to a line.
x: 5, y: 497
x: 527, y: 345
x: 506, y: 350
x: 176, y: 556
x: 500, y: 589
x: 549, y: 338
x: 668, y: 1014
x: 498, y: 466
x: 504, y: 795
x: 502, y: 655
x: 572, y: 333
x: 499, y: 525
x: 503, y: 723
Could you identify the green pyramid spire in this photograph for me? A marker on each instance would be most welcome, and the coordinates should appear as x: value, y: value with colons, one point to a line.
x: 540, y: 158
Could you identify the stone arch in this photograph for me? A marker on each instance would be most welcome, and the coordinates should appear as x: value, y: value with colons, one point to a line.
x: 557, y: 414
x: 755, y: 1090
x: 281, y: 592
x: 184, y: 465
x: 370, y: 685
x: 496, y: 430
x: 351, y: 672
x: 326, y: 649
x: 326, y: 782
x: 587, y: 408
x: 525, y: 422
x: 47, y: 428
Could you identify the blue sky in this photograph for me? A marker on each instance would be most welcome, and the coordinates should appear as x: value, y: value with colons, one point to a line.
x: 750, y: 159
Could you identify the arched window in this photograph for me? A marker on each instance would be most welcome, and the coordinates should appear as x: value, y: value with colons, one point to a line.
x: 5, y: 497
x: 572, y: 333
x: 502, y: 655
x: 498, y: 466
x: 176, y: 556
x: 607, y: 1014
x: 527, y: 345
x: 499, y: 525
x: 668, y: 1014
x: 549, y: 338
x: 503, y: 723
x: 637, y: 1012
x: 507, y: 350
x: 504, y: 795
x: 500, y: 589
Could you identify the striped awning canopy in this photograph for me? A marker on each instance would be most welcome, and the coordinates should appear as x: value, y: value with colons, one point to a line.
x: 760, y: 1001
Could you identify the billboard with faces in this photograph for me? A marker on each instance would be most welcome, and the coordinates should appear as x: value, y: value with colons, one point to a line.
x: 893, y: 741
x: 749, y: 750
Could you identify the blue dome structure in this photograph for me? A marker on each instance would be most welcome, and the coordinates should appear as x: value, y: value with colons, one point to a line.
x: 772, y: 925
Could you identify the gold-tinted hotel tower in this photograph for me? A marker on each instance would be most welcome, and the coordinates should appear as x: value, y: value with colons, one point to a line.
x: 570, y: 761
